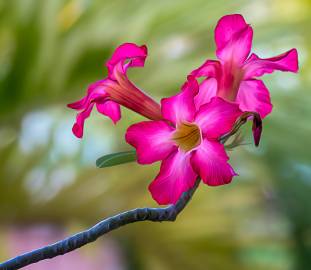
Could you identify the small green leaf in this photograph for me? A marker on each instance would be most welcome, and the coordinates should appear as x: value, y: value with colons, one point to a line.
x: 116, y: 159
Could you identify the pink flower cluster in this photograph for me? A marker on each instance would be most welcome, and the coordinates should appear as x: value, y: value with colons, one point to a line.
x: 184, y: 130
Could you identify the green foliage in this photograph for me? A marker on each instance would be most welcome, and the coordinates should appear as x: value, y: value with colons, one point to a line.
x: 116, y: 159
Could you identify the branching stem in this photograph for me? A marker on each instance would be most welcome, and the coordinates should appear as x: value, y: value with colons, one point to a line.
x: 78, y: 240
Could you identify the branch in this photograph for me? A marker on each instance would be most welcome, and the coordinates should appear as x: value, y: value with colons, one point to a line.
x: 78, y: 240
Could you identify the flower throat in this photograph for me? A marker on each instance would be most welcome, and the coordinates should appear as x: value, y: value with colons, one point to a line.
x: 187, y: 136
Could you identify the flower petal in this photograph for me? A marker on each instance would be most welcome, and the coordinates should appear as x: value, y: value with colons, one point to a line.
x: 110, y: 109
x: 176, y: 176
x: 94, y: 91
x: 78, y: 126
x: 253, y: 96
x: 181, y: 108
x: 210, y: 68
x: 207, y: 90
x: 136, y: 55
x: 256, y: 66
x: 152, y: 140
x: 217, y: 117
x: 78, y: 105
x: 233, y: 39
x: 227, y: 27
x: 210, y: 162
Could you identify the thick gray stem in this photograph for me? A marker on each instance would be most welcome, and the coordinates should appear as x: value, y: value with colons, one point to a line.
x: 80, y: 239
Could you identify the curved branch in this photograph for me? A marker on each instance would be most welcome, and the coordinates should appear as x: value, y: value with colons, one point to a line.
x: 78, y: 240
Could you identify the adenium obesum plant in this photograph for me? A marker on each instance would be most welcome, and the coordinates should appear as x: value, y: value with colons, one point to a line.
x: 185, y: 131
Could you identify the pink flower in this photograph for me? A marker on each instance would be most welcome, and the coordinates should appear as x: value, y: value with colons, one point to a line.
x: 232, y: 77
x: 116, y: 89
x: 186, y: 141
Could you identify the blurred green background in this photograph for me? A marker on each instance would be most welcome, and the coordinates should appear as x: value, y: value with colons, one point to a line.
x: 49, y: 186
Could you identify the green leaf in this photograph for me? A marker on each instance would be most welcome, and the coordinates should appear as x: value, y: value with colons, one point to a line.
x: 116, y: 159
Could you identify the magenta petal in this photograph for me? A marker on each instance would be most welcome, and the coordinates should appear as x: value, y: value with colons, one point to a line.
x: 210, y: 162
x: 238, y: 49
x: 210, y: 68
x: 152, y: 140
x: 110, y: 109
x: 94, y: 91
x: 256, y: 66
x: 207, y: 90
x: 227, y: 27
x: 127, y: 51
x: 217, y: 117
x: 78, y: 126
x: 191, y: 85
x: 95, y: 94
x: 253, y: 96
x: 181, y: 108
x: 78, y: 105
x: 233, y: 39
x: 176, y: 176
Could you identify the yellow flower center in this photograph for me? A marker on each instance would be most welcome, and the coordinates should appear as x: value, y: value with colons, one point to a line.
x: 187, y: 136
